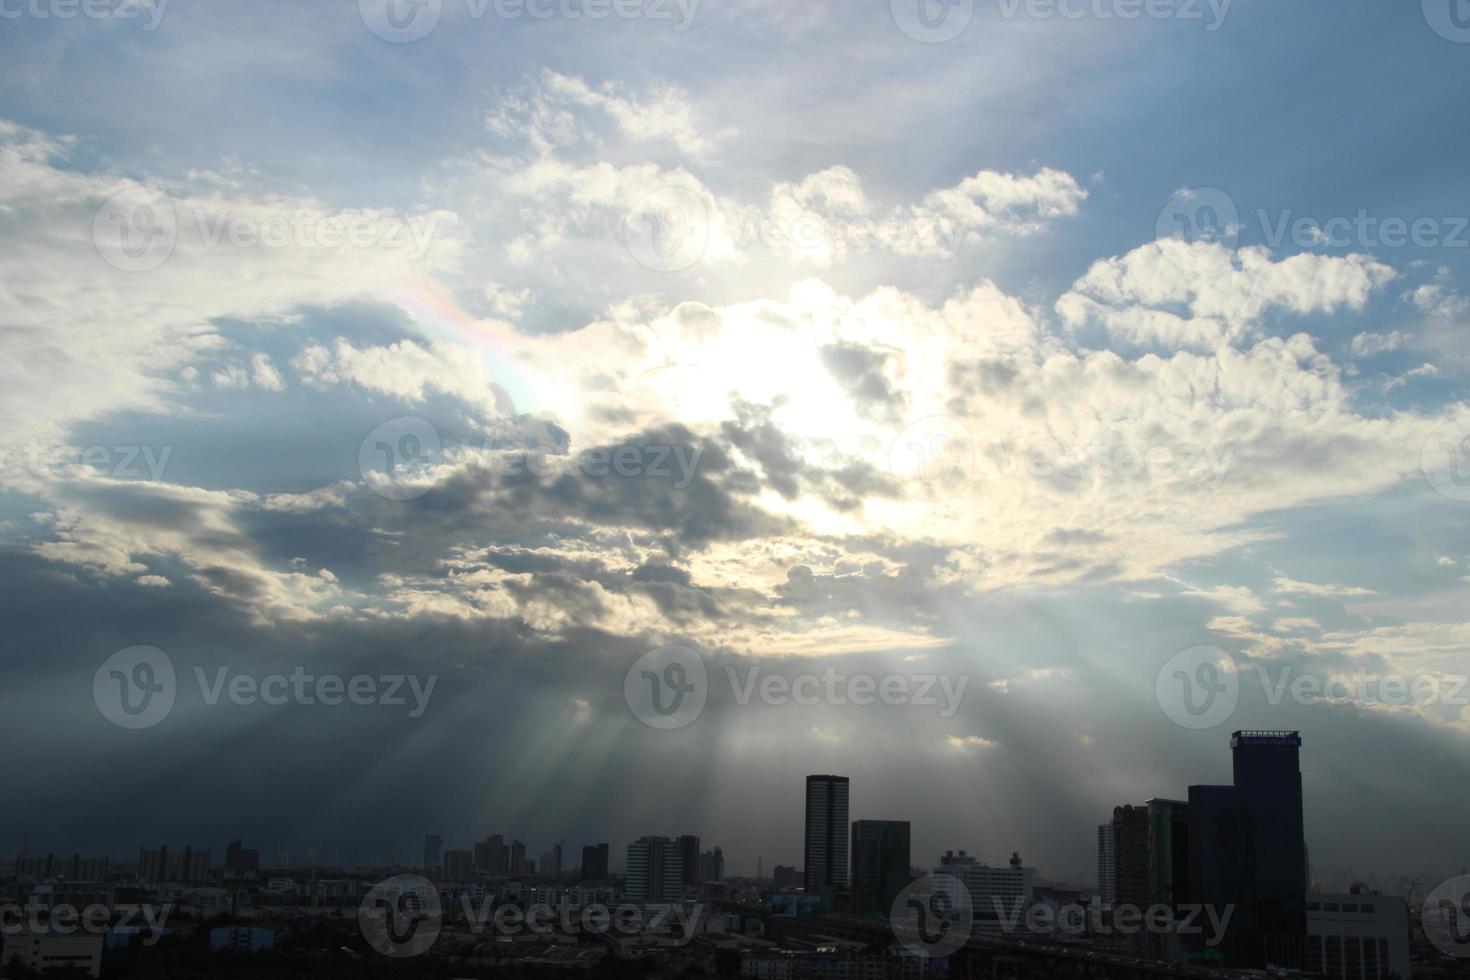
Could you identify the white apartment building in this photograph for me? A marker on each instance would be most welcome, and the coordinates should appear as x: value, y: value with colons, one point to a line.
x: 1359, y: 936
x: 996, y: 894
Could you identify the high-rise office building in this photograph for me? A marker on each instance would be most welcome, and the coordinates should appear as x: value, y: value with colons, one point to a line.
x: 433, y: 852
x: 1107, y: 864
x: 880, y: 864
x: 492, y: 856
x: 189, y: 867
x: 1221, y: 865
x: 826, y: 832
x: 1143, y: 861
x: 519, y: 865
x: 459, y: 865
x: 594, y: 862
x: 689, y: 856
x: 153, y: 864
x: 1268, y: 779
x: 1130, y: 855
x: 241, y: 860
x: 712, y: 865
x: 1168, y: 852
x: 655, y: 871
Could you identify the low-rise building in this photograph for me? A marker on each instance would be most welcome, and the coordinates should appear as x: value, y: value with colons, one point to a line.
x: 1361, y: 935
x: 241, y: 939
x: 51, y: 951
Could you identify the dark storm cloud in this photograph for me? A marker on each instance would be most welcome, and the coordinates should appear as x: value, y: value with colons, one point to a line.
x: 859, y: 370
x: 784, y: 469
x: 528, y: 734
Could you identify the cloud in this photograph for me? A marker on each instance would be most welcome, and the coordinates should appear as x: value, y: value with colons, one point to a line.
x: 547, y: 115
x: 1371, y: 344
x: 968, y: 742
x: 1200, y: 297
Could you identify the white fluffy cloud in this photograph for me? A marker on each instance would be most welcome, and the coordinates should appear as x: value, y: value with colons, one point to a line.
x: 1198, y: 297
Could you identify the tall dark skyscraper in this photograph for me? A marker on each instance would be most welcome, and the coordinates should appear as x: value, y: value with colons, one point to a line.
x: 594, y: 862
x: 240, y: 860
x: 880, y: 864
x: 1221, y: 866
x: 1130, y: 855
x: 1247, y: 849
x: 492, y: 856
x: 1268, y: 778
x: 826, y: 832
x: 689, y: 854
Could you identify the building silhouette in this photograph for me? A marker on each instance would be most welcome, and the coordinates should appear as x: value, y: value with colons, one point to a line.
x: 594, y: 862
x: 689, y: 855
x: 880, y: 864
x: 1247, y: 849
x: 826, y: 833
x: 1268, y: 778
x: 241, y: 860
x: 655, y: 871
x: 1107, y: 863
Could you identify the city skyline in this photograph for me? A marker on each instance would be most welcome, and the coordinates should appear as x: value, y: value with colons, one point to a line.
x: 1117, y: 881
x: 496, y: 428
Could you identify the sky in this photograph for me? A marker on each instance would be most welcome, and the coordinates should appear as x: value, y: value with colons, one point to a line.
x: 1087, y: 376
